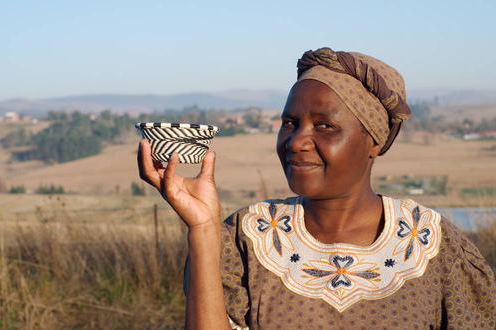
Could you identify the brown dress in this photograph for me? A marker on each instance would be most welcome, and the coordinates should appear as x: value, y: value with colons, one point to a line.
x: 421, y: 273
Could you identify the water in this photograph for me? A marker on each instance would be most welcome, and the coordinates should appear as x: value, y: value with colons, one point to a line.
x: 469, y: 218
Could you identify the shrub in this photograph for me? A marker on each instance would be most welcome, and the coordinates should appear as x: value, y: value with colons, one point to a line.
x: 46, y: 190
x: 137, y: 190
x: 17, y: 189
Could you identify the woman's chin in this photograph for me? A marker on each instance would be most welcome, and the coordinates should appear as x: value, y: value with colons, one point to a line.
x: 302, y: 189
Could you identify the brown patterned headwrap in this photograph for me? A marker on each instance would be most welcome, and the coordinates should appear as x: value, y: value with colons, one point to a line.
x: 373, y: 91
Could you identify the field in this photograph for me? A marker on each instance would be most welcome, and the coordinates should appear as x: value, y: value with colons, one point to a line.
x: 245, y: 161
x: 62, y: 267
x: 94, y: 258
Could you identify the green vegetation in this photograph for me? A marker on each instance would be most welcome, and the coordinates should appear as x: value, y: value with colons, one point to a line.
x: 64, y: 146
x: 69, y: 136
x: 75, y: 135
x: 50, y: 190
x: 137, y: 190
x: 17, y: 189
x: 479, y: 191
x: 16, y: 138
x: 229, y: 130
x: 411, y: 185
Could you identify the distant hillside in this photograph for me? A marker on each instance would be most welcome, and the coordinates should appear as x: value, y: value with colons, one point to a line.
x: 229, y: 99
x: 135, y: 104
x: 443, y: 97
x: 475, y: 112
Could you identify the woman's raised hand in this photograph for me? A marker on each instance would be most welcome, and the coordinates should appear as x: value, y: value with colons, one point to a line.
x: 197, y: 203
x: 194, y: 199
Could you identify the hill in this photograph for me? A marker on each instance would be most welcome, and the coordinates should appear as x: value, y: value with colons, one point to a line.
x: 135, y: 104
x: 446, y: 96
x: 475, y: 112
x: 228, y: 99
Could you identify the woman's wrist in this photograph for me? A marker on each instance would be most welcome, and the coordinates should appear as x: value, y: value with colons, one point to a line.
x: 204, y: 235
x: 206, y: 225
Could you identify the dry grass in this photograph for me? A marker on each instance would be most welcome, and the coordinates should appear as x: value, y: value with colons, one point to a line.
x: 67, y: 270
x: 76, y: 275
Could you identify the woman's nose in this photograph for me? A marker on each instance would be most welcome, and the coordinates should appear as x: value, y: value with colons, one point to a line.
x: 299, y: 140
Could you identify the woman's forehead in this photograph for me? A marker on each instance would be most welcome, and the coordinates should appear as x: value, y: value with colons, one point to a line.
x: 314, y: 97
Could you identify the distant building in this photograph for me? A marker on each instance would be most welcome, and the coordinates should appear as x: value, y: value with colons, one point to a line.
x: 471, y: 136
x: 489, y: 134
x: 11, y: 117
x: 417, y: 191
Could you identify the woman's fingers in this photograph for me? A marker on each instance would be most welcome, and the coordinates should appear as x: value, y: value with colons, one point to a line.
x: 168, y: 187
x: 157, y: 164
x: 208, y: 167
x: 146, y: 167
x: 171, y: 167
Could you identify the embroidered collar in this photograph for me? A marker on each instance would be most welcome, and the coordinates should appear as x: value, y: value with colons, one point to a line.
x: 342, y: 274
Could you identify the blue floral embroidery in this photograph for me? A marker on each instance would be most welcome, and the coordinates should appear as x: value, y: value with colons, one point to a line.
x: 341, y: 270
x: 277, y: 227
x: 411, y: 227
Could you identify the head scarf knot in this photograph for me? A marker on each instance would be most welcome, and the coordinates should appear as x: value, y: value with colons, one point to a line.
x: 361, y: 67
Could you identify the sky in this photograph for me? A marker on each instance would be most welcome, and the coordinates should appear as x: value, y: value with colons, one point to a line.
x: 59, y: 48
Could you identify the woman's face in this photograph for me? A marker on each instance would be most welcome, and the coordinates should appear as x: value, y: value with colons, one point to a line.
x: 323, y: 148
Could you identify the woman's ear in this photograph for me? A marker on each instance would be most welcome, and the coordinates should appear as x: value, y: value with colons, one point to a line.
x: 374, y: 150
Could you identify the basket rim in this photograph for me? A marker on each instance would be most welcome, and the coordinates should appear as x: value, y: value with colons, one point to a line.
x: 176, y: 125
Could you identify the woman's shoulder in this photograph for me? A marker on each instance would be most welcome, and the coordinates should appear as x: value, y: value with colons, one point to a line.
x: 456, y: 250
x: 454, y: 242
x: 459, y: 254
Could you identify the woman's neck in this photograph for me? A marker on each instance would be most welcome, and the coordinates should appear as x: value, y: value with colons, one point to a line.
x: 354, y: 219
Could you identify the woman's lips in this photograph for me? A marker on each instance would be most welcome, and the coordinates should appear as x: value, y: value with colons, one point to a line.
x: 302, y: 166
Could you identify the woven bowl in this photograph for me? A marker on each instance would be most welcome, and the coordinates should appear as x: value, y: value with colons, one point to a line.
x: 190, y: 141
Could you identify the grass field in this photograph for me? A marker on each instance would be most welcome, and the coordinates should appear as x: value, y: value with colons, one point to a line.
x: 99, y: 262
x: 109, y: 269
x: 94, y: 258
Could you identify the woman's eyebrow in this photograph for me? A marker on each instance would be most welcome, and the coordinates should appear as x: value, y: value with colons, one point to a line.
x: 286, y: 115
x: 323, y: 114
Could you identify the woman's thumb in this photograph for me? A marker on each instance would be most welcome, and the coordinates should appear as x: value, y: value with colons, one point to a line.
x: 208, y: 166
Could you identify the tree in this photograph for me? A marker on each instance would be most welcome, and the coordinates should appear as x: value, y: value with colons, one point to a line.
x: 136, y: 190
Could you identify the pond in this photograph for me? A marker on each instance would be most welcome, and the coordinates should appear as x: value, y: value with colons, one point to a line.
x: 469, y: 218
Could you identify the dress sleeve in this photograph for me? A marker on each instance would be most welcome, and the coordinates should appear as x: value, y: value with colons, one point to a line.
x: 469, y: 291
x: 234, y: 276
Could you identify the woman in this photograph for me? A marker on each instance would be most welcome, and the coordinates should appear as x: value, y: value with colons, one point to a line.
x: 338, y: 255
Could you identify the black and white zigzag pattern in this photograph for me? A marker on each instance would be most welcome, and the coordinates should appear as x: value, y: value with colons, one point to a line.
x: 190, y: 141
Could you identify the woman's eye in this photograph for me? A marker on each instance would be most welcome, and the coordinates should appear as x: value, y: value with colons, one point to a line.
x: 288, y: 123
x: 324, y: 125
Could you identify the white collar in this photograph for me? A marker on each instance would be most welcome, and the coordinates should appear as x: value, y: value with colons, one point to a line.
x: 342, y: 274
